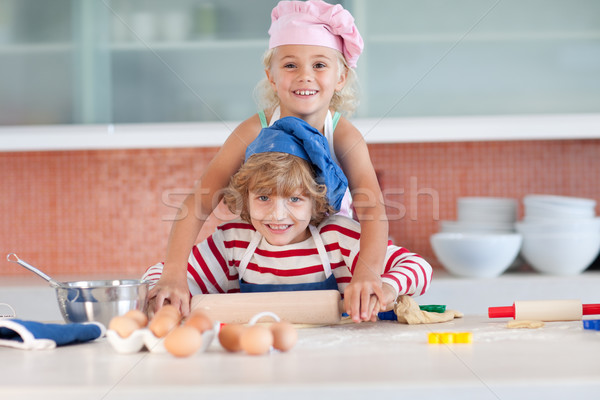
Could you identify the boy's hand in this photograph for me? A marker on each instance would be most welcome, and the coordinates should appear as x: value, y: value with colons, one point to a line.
x: 168, y: 291
x: 363, y: 296
x: 389, y: 297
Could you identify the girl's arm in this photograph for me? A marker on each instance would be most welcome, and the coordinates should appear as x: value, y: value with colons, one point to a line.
x: 208, y: 269
x: 172, y: 286
x: 353, y: 155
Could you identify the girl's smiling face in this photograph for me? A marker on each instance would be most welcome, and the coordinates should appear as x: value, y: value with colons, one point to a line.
x: 305, y: 79
x: 282, y: 220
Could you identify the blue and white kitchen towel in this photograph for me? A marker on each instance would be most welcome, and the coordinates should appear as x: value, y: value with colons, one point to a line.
x: 32, y: 335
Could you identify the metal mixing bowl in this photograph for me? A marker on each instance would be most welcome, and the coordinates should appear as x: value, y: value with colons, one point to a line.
x: 100, y: 301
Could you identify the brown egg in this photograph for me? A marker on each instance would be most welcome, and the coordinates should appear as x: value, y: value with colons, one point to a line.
x: 162, y: 324
x: 183, y: 341
x: 285, y: 335
x: 229, y: 336
x: 199, y: 320
x: 137, y: 316
x: 256, y: 340
x: 169, y: 309
x: 165, y: 320
x: 124, y: 326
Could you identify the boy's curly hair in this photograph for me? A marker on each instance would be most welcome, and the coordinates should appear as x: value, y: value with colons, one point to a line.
x: 279, y: 174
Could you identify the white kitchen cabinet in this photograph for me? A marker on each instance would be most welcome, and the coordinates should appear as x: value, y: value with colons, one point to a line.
x: 126, y: 61
x: 149, y: 61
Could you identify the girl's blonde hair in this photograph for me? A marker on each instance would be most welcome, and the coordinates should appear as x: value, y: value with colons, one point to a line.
x: 345, y: 101
x: 276, y: 174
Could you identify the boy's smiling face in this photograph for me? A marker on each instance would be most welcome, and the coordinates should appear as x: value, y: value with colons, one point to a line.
x: 282, y: 220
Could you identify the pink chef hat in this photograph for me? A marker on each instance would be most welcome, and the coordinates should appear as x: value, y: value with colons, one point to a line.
x: 316, y: 23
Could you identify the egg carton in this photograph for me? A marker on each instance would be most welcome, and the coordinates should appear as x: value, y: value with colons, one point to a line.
x: 145, y: 338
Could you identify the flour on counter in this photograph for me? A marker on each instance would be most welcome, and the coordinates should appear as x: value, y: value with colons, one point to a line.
x: 527, y: 324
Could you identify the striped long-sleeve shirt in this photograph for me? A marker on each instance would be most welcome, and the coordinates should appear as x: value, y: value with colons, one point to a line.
x: 213, y: 263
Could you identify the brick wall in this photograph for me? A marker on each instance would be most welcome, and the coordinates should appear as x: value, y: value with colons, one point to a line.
x: 109, y: 212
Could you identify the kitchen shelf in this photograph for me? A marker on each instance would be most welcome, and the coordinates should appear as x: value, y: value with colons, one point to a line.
x: 166, y: 45
x: 483, y: 37
x: 35, y: 48
x: 200, y: 44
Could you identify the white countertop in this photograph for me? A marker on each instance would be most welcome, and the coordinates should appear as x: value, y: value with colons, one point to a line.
x: 374, y: 130
x: 380, y: 360
x: 469, y: 295
x: 369, y: 360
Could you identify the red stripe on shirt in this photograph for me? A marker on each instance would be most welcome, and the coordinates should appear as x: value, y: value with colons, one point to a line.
x: 238, y: 244
x: 393, y: 257
x: 354, y: 263
x: 425, y: 284
x: 279, y: 272
x: 336, y: 246
x: 153, y: 275
x: 236, y: 225
x: 287, y: 253
x: 416, y: 275
x: 151, y: 267
x: 205, y: 268
x: 197, y: 278
x: 340, y: 229
x: 392, y: 277
x: 408, y: 281
x: 218, y: 256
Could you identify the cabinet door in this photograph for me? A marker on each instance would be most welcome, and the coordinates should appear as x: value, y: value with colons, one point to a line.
x: 470, y: 57
x: 121, y: 61
x: 144, y: 61
x: 36, y: 62
x: 187, y: 60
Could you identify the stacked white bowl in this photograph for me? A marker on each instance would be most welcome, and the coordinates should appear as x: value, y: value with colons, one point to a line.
x: 482, y: 242
x: 561, y: 235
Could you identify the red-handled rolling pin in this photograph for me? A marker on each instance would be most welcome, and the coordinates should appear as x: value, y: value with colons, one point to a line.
x: 545, y: 310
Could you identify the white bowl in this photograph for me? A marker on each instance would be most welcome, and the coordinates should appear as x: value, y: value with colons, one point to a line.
x: 484, y: 201
x: 555, y: 253
x: 546, y: 211
x: 558, y: 207
x: 590, y: 225
x: 486, y: 209
x: 476, y: 255
x: 563, y: 201
x: 476, y: 227
x: 557, y: 218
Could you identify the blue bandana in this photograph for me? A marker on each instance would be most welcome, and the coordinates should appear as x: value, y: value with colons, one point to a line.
x: 294, y: 136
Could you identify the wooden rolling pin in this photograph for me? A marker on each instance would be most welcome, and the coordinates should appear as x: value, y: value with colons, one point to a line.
x: 545, y: 310
x: 302, y: 307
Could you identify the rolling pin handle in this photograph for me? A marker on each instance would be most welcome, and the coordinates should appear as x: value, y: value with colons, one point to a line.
x: 502, y: 312
x: 591, y: 309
